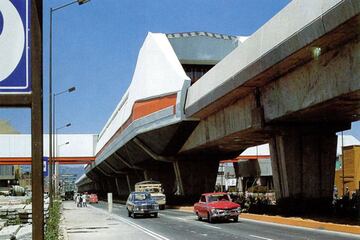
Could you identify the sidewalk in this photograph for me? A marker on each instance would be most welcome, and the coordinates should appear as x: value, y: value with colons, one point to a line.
x: 292, y: 221
x: 93, y: 224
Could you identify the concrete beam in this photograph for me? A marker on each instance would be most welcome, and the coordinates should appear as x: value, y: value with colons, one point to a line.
x: 104, y: 172
x: 326, y: 90
x: 268, y: 54
x: 148, y: 151
x: 227, y: 129
x: 113, y: 169
x: 126, y: 163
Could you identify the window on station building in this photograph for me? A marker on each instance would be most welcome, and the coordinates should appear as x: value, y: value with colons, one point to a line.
x: 196, y: 71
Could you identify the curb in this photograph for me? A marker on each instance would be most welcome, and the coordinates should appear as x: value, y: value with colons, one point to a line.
x: 292, y: 221
x: 307, y: 223
x: 64, y: 233
x: 62, y: 227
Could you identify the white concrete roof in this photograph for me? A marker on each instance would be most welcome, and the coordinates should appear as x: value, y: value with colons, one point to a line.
x: 158, y: 72
x: 19, y: 145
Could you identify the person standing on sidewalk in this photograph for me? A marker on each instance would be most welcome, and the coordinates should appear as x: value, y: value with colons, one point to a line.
x: 84, y: 196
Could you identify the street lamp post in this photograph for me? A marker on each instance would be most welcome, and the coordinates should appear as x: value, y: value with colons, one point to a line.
x: 55, y: 165
x: 57, y: 175
x: 52, y: 10
x: 72, y: 89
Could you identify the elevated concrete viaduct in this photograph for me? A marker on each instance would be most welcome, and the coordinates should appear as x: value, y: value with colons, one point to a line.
x: 143, y: 136
x: 295, y: 88
x: 294, y: 83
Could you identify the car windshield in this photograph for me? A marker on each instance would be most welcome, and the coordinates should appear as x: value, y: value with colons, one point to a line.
x: 152, y: 190
x: 141, y: 196
x: 218, y: 197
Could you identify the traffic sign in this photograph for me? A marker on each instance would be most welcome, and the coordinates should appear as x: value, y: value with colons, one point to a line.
x: 45, y: 165
x: 14, y: 46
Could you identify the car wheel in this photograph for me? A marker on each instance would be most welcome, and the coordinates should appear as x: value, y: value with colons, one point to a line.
x: 210, y: 218
x: 155, y: 215
x: 198, y: 216
x: 236, y: 219
x: 129, y: 213
x: 134, y: 215
x: 162, y: 207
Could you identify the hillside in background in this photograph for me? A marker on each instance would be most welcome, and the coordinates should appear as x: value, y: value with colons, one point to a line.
x: 7, y: 128
x: 77, y: 170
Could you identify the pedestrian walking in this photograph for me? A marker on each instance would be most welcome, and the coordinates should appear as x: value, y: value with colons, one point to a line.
x: 77, y: 200
x: 80, y: 201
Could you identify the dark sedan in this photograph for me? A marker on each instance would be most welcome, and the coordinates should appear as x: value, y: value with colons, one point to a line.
x: 141, y: 203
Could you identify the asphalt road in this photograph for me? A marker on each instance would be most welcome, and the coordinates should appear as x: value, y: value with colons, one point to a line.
x: 173, y: 224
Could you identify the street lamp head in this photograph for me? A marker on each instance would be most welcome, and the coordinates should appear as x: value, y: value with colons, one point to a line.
x: 67, y: 143
x: 68, y: 125
x: 80, y: 2
x: 71, y: 89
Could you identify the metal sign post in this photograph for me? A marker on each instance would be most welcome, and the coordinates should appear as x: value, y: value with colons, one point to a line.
x: 37, y: 122
x: 21, y: 84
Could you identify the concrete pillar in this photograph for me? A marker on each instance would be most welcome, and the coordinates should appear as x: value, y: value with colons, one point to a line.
x: 111, y: 185
x: 162, y: 172
x: 118, y: 190
x: 195, y: 175
x: 128, y: 182
x: 132, y: 178
x: 178, y: 179
x: 146, y: 175
x: 121, y: 187
x: 303, y: 165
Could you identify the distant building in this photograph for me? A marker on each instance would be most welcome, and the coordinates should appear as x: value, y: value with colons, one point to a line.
x: 348, y: 174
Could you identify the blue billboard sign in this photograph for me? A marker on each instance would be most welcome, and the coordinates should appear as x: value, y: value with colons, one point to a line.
x: 14, y: 46
x: 45, y: 165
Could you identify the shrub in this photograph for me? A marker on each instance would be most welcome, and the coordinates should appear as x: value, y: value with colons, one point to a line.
x: 52, y: 227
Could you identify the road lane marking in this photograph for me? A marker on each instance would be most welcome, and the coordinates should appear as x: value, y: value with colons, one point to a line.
x: 191, y: 220
x: 206, y: 225
x: 260, y: 237
x: 143, y: 229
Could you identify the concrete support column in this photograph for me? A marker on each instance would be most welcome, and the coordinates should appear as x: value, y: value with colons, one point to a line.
x: 111, y: 185
x: 118, y: 190
x: 133, y: 178
x: 104, y: 186
x: 121, y: 187
x: 163, y: 172
x: 303, y: 165
x: 128, y: 183
x: 178, y: 180
x: 195, y: 175
x: 146, y: 175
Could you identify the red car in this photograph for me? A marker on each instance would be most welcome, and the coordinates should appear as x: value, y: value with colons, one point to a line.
x: 217, y: 205
x: 93, y: 198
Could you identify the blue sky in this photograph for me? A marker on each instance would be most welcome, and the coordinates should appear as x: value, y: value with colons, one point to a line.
x: 96, y: 46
